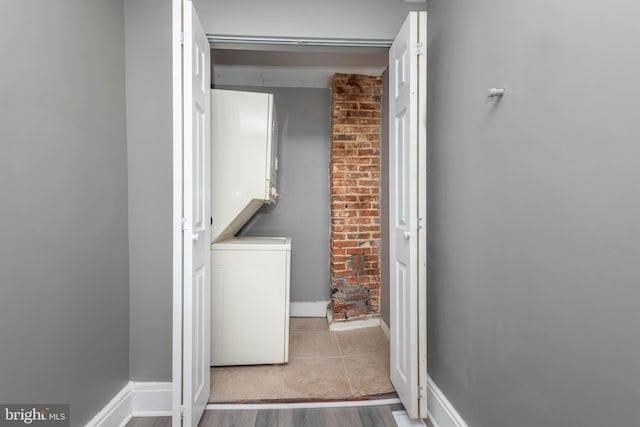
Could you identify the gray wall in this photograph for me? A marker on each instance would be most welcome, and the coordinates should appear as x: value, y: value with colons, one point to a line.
x: 149, y: 150
x: 369, y: 19
x: 533, y: 211
x: 384, y: 200
x: 302, y: 212
x: 64, y: 302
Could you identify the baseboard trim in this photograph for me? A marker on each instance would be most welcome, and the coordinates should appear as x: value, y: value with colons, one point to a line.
x: 385, y: 329
x: 136, y: 399
x: 402, y: 420
x: 441, y: 412
x: 151, y: 399
x: 308, y: 309
x: 115, y: 413
x: 349, y: 325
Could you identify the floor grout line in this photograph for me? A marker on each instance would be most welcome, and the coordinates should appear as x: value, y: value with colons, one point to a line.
x: 362, y: 354
x: 337, y: 342
x: 344, y: 365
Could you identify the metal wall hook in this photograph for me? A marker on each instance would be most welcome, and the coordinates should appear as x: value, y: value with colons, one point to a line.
x: 496, y: 92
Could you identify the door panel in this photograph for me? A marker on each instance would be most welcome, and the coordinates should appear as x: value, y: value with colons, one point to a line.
x: 407, y: 193
x: 402, y: 293
x: 197, y: 229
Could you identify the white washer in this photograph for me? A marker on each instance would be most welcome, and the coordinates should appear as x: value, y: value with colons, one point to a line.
x: 250, y: 301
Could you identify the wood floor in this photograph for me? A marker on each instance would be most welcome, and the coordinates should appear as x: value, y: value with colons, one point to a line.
x: 323, y: 365
x: 364, y: 416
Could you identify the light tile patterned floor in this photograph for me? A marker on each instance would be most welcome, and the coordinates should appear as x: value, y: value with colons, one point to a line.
x: 322, y: 365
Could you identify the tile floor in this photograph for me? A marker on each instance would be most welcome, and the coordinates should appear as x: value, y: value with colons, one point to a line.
x: 323, y: 365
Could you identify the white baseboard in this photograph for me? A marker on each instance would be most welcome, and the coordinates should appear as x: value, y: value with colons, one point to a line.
x: 349, y: 325
x: 117, y: 412
x: 441, y: 411
x: 308, y: 309
x: 402, y: 420
x: 385, y: 328
x: 136, y: 399
x: 148, y: 399
x: 151, y: 399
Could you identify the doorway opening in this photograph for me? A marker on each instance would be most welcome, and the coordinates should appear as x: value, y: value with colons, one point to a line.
x: 323, y: 364
x: 407, y: 236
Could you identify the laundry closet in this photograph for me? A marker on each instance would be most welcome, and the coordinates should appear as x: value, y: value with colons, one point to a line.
x: 271, y: 145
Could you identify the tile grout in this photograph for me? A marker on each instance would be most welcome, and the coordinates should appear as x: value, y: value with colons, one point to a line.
x: 344, y: 366
x: 363, y: 353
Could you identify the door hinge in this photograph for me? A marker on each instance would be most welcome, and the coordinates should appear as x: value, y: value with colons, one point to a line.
x: 420, y: 392
x: 181, y: 39
x: 183, y: 409
x: 183, y: 224
x: 419, y: 223
x: 419, y: 48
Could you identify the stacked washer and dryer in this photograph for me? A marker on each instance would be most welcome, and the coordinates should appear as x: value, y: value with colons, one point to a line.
x: 250, y: 275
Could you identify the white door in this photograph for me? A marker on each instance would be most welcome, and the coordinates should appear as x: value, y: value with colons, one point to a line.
x: 407, y: 192
x: 196, y: 228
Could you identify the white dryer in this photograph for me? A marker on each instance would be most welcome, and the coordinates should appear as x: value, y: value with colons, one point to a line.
x: 244, y: 158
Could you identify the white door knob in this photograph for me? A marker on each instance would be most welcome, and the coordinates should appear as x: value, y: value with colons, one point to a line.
x: 407, y: 234
x: 195, y: 236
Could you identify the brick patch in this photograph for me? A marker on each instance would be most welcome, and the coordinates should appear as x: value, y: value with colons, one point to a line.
x: 355, y: 194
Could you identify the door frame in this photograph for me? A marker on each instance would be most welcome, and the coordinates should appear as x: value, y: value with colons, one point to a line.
x: 422, y: 214
x: 178, y: 192
x: 177, y: 203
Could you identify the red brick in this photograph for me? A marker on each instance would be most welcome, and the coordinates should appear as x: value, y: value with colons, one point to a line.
x: 356, y: 312
x: 339, y: 316
x: 354, y: 195
x: 343, y: 307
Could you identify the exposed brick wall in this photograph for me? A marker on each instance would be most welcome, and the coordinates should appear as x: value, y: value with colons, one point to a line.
x: 355, y: 194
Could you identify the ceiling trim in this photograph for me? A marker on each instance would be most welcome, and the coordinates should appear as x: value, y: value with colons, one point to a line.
x: 308, y: 77
x: 290, y: 41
